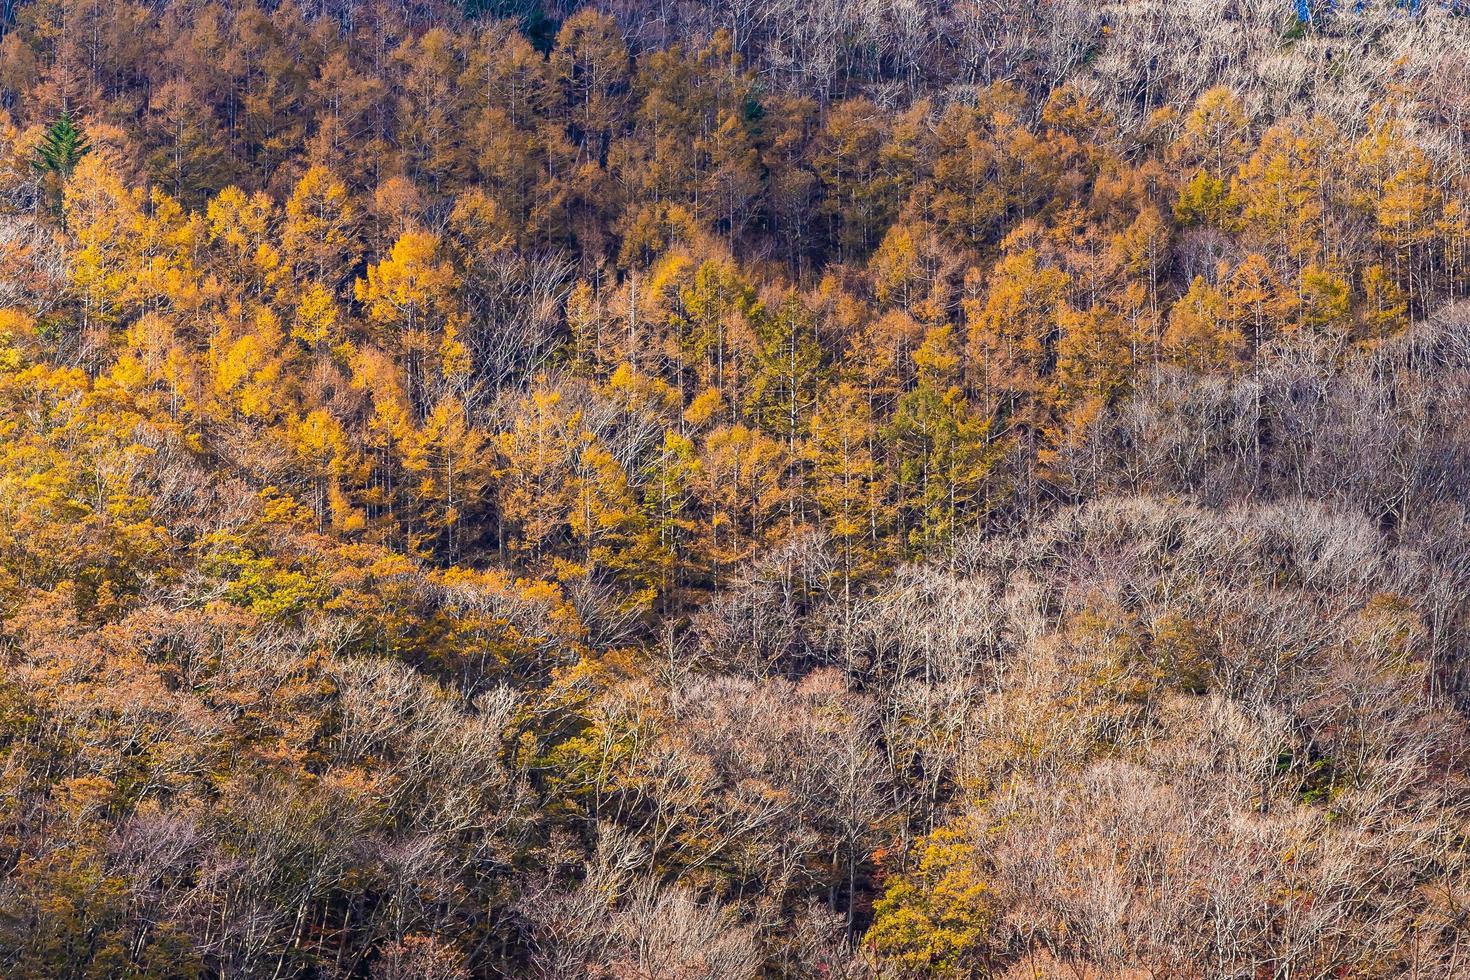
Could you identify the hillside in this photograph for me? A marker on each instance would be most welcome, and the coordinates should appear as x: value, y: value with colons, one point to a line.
x: 628, y: 491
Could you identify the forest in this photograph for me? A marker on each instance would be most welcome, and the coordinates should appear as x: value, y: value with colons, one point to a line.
x: 822, y: 490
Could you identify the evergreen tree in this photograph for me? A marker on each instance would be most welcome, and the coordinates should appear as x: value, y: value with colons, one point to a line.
x: 61, y: 148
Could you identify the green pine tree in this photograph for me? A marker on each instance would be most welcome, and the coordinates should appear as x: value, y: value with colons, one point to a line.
x: 61, y: 148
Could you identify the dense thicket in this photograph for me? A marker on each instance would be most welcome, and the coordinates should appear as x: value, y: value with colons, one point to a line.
x: 674, y: 491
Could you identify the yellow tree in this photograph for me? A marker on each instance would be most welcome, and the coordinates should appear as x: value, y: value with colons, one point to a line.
x: 1215, y: 135
x: 987, y: 166
x: 718, y: 305
x: 1281, y: 195
x: 786, y: 372
x: 536, y: 496
x: 1094, y: 355
x: 861, y: 194
x: 733, y: 179
x: 248, y: 355
x: 1012, y: 332
x: 107, y: 221
x: 1256, y: 303
x: 450, y: 464
x: 410, y: 297
x: 317, y: 323
x: 610, y: 531
x: 1406, y: 206
x: 1142, y: 251
x: 319, y: 235
x: 1200, y: 333
x: 898, y: 267
x: 668, y: 497
x: 740, y: 485
x: 156, y: 359
x: 388, y: 434
x: 943, y: 448
x: 1385, y: 306
x: 1326, y: 299
x: 1452, y: 231
x: 879, y: 358
x: 166, y: 274
x: 242, y: 227
x: 847, y: 482
x: 567, y: 504
x: 590, y: 62
x: 935, y: 920
x: 333, y: 468
x: 432, y: 103
x: 1205, y: 200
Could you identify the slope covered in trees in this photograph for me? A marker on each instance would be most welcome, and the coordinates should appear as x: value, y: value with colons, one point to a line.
x: 693, y: 491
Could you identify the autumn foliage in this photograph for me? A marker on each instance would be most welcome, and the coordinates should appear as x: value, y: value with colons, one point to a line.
x: 560, y: 490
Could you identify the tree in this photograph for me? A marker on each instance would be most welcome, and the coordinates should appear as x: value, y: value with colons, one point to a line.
x: 708, y: 311
x: 590, y: 62
x: 1405, y: 202
x: 568, y: 506
x: 1256, y: 303
x: 944, y: 450
x: 107, y: 221
x: 969, y: 201
x: 898, y: 267
x: 1385, y: 305
x: 733, y: 181
x: 434, y: 101
x: 934, y: 921
x: 1204, y: 200
x: 1216, y: 134
x: 1095, y: 355
x: 741, y: 484
x: 248, y: 362
x: 786, y: 373
x: 451, y: 465
x: 1281, y: 194
x: 1144, y: 250
x: 1326, y: 299
x: 61, y: 148
x: 319, y: 237
x: 334, y: 468
x: 1012, y: 334
x: 245, y: 226
x: 193, y: 150
x: 860, y: 198
x: 411, y: 298
x: 1201, y: 334
x: 668, y: 498
x: 847, y: 482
